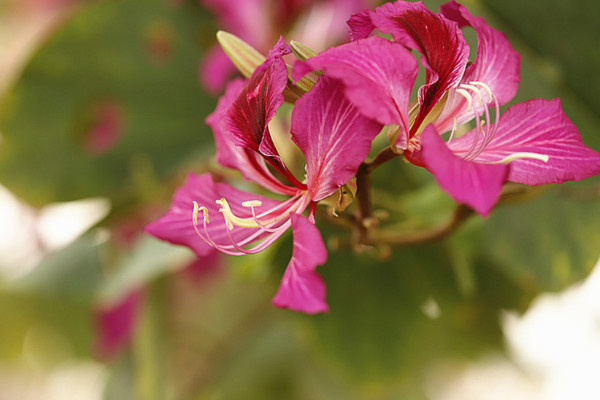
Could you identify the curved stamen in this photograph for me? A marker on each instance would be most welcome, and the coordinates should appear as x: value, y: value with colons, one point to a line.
x: 519, y: 155
x: 485, y: 130
x: 271, y: 227
x: 454, y: 127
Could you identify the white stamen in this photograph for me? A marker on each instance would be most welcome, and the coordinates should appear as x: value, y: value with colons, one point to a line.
x: 515, y: 156
x: 467, y: 96
x: 454, y: 128
x: 476, y: 90
x: 252, y: 203
x: 485, y: 87
x: 197, y: 209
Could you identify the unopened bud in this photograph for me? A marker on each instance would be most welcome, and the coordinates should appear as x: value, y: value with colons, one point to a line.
x: 245, y: 57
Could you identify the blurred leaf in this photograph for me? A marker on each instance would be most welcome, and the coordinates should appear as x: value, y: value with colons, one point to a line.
x: 546, y: 244
x: 147, y: 260
x: 135, y: 59
x: 563, y: 34
x: 378, y: 335
x: 56, y: 298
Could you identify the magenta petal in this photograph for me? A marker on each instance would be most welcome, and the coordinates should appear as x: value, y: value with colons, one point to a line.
x: 302, y: 289
x: 440, y: 41
x: 334, y: 137
x: 176, y: 225
x: 250, y: 163
x: 247, y: 119
x: 541, y: 127
x: 115, y: 324
x: 250, y: 113
x: 360, y: 25
x: 497, y: 65
x: 378, y: 74
x: 215, y: 70
x: 476, y: 185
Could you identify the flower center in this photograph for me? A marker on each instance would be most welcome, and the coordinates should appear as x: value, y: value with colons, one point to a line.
x: 479, y: 98
x: 268, y: 225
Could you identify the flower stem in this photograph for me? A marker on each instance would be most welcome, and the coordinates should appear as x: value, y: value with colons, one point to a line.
x: 364, y: 219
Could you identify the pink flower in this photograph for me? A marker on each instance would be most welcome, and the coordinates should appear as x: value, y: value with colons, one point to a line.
x: 532, y: 142
x: 259, y: 23
x: 115, y: 323
x: 206, y: 215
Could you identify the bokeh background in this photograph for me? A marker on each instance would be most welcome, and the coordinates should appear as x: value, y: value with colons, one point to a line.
x: 101, y: 116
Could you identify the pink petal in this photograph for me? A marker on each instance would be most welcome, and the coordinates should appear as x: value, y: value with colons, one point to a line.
x: 378, y: 75
x: 215, y: 70
x: 334, y: 137
x: 538, y: 126
x: 302, y: 289
x: 360, y: 25
x: 497, y: 65
x: 246, y: 19
x: 176, y: 225
x: 115, y: 324
x: 476, y: 185
x: 440, y: 41
x: 247, y: 119
x: 250, y: 163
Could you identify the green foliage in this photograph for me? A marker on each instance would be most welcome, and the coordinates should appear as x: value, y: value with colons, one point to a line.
x: 217, y: 337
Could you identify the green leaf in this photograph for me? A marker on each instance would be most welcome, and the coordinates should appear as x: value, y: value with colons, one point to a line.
x: 138, y: 58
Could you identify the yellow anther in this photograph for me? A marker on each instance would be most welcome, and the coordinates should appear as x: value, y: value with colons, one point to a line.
x: 516, y: 156
x: 231, y: 219
x: 252, y: 203
x: 485, y: 87
x: 197, y: 209
x: 467, y: 96
x: 476, y: 90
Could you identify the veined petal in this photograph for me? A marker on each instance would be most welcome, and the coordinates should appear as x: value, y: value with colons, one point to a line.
x: 476, y: 185
x: 360, y: 25
x: 334, y: 137
x: 378, y: 75
x: 302, y: 289
x: 176, y: 225
x: 247, y: 118
x: 539, y: 127
x: 440, y: 41
x: 250, y: 163
x: 497, y: 65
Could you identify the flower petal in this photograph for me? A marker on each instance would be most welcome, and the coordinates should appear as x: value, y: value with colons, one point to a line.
x: 440, y: 41
x: 302, y: 289
x: 215, y: 70
x: 334, y: 137
x: 378, y: 75
x: 176, y: 225
x: 250, y: 163
x: 497, y: 65
x: 541, y: 127
x: 476, y: 185
x: 115, y: 323
x: 247, y: 119
x: 360, y: 25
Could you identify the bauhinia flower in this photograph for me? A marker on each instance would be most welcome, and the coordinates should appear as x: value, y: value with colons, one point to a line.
x: 333, y: 136
x: 532, y: 142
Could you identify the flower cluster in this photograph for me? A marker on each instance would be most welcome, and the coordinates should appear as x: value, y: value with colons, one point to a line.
x: 363, y: 86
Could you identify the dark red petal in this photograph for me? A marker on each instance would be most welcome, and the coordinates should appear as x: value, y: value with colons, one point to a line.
x: 440, y: 41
